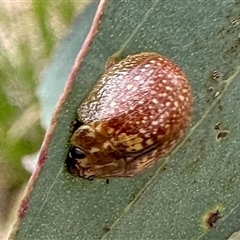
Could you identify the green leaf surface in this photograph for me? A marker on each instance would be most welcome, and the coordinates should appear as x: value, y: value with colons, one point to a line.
x: 200, y: 177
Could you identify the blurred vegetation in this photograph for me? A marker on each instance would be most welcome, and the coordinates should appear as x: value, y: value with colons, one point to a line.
x: 29, y: 32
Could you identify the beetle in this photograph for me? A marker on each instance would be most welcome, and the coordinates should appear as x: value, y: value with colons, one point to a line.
x: 136, y: 113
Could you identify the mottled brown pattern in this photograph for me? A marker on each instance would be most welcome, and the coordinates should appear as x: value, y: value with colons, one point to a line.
x: 136, y: 113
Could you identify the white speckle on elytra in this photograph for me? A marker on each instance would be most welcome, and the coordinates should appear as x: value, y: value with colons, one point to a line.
x: 154, y: 122
x: 162, y: 125
x: 174, y: 81
x: 143, y: 70
x: 164, y: 94
x: 137, y: 77
x: 168, y: 88
x: 162, y: 105
x: 154, y: 100
x: 170, y: 75
x: 152, y: 61
x: 142, y: 130
x: 149, y: 74
x: 167, y: 104
x: 153, y: 92
x: 181, y: 97
x: 140, y: 102
x: 176, y: 104
x: 164, y: 81
x: 151, y: 82
x: 94, y: 149
x: 147, y: 65
x: 149, y: 142
x: 185, y: 90
x: 110, y: 130
x: 113, y: 104
x: 129, y: 86
x: 137, y: 147
x: 147, y: 135
x: 106, y: 145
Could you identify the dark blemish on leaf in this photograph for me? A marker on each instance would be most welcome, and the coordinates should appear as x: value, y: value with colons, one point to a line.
x: 107, y: 181
x: 106, y: 229
x: 235, y: 23
x: 221, y: 135
x: 212, y: 219
x: 217, y: 126
x: 210, y: 89
x: 215, y: 75
x: 164, y: 168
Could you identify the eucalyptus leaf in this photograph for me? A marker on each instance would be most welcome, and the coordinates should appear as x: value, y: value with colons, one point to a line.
x: 199, y: 179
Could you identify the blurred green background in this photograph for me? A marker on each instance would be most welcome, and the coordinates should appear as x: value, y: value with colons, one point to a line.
x: 29, y: 34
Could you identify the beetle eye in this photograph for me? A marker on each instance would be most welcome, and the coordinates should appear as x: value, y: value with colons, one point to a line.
x: 90, y: 178
x: 77, y: 153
